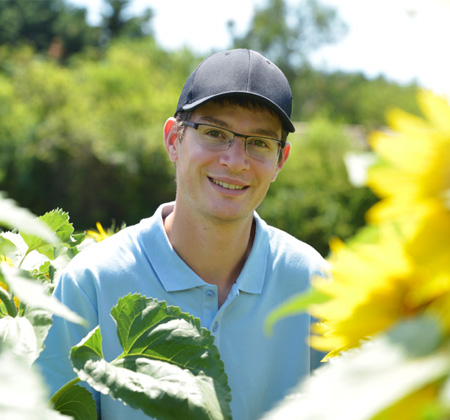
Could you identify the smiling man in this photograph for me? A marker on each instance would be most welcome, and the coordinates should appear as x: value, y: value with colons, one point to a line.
x: 208, y: 252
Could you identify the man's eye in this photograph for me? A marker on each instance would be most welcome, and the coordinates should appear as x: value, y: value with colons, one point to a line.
x: 215, y: 133
x: 260, y: 143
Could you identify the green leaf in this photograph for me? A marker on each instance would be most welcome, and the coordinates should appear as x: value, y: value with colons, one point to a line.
x: 41, y: 322
x: 58, y: 221
x: 293, y: 306
x: 78, y: 403
x: 7, y: 305
x: 169, y: 367
x: 6, y: 247
x: 35, y: 295
x: 14, y: 217
x: 45, y: 273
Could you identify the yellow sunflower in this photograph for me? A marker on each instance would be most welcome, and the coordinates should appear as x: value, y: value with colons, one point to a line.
x: 374, y: 286
x: 414, y: 179
x: 100, y: 234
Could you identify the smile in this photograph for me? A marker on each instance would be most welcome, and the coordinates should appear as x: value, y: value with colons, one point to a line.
x: 227, y: 186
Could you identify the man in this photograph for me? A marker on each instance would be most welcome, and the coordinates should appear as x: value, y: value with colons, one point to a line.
x: 208, y: 252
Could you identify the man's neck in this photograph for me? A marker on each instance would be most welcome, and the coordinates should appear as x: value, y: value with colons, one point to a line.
x: 216, y: 252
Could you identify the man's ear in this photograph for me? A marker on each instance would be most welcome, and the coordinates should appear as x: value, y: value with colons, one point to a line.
x: 284, y: 157
x: 171, y: 138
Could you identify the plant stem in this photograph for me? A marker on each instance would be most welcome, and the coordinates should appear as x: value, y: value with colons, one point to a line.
x: 8, y: 301
x: 23, y: 258
x: 63, y: 389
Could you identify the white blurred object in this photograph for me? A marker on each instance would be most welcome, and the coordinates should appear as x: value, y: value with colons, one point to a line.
x: 357, y: 165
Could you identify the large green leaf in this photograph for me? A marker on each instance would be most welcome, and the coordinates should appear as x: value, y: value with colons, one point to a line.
x: 78, y: 403
x: 169, y: 367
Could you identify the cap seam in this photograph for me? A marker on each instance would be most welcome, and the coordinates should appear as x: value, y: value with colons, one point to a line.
x: 191, y: 92
x: 248, y: 70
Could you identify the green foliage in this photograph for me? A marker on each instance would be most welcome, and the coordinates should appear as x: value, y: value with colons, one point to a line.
x: 159, y: 343
x: 50, y: 26
x: 287, y: 34
x: 58, y: 222
x: 12, y: 216
x: 90, y: 132
x: 312, y: 198
x: 78, y: 403
x: 117, y: 24
x: 349, y: 98
x: 26, y: 309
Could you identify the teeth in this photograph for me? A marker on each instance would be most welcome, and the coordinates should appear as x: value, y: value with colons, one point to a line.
x: 228, y: 186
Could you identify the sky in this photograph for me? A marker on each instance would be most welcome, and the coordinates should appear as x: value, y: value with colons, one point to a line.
x: 403, y: 40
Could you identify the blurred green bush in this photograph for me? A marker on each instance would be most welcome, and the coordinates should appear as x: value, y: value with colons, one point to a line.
x: 312, y: 197
x: 87, y: 137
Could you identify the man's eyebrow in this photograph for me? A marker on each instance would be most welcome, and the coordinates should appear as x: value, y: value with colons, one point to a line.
x: 214, y: 121
x: 257, y: 131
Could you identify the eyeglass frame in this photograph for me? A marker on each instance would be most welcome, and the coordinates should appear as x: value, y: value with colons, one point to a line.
x: 281, y: 143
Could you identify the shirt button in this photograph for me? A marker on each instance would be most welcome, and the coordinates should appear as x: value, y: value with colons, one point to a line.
x: 210, y: 293
x: 215, y: 327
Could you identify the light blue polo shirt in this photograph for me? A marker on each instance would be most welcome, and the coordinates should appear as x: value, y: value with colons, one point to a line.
x: 140, y: 259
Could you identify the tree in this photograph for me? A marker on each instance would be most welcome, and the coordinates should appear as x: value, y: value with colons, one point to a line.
x: 287, y: 34
x: 312, y: 198
x: 349, y: 98
x: 116, y: 23
x: 86, y: 136
x: 49, y: 26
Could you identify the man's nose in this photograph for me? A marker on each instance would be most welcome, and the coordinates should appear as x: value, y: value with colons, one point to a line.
x: 235, y: 156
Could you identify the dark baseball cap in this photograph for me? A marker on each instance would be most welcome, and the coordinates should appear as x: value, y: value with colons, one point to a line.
x: 239, y: 72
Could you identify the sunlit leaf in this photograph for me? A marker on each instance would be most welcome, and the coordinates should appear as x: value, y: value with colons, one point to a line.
x: 58, y: 222
x: 41, y: 321
x: 78, y: 403
x: 13, y: 216
x: 294, y: 306
x: 6, y: 246
x: 169, y: 368
x: 19, y: 334
x: 35, y: 295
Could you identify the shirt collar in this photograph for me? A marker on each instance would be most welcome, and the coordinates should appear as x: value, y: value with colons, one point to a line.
x: 165, y: 261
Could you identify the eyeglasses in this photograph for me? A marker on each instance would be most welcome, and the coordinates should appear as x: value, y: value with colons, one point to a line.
x: 264, y: 149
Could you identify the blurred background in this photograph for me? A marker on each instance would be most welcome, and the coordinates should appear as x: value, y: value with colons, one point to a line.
x: 86, y: 86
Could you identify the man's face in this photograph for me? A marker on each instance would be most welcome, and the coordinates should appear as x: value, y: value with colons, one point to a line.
x: 225, y: 186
